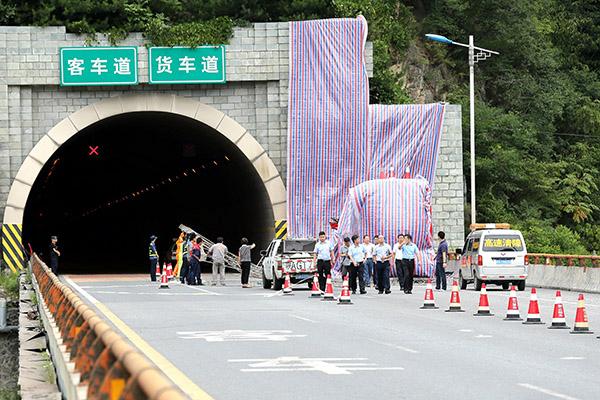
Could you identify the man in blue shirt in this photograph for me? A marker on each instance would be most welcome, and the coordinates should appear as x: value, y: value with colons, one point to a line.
x: 153, y: 255
x: 441, y: 262
x: 357, y: 255
x: 382, y: 254
x: 409, y: 251
x: 323, y: 256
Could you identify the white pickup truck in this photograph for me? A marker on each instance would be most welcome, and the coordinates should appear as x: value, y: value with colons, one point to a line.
x: 292, y: 256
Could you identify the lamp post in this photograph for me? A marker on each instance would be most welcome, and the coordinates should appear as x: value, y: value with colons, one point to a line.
x: 474, y: 57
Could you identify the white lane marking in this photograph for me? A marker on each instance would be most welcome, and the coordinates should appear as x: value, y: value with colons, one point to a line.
x: 85, y: 294
x: 203, y: 290
x: 329, y: 366
x: 303, y: 318
x: 465, y: 330
x: 115, y: 286
x: 395, y: 346
x: 547, y: 391
x: 483, y: 336
x: 572, y: 358
x: 239, y: 336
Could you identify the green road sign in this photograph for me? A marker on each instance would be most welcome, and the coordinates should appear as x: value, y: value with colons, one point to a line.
x: 83, y: 66
x: 204, y: 64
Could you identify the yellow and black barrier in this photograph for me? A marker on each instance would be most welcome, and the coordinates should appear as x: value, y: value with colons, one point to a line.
x: 13, y: 253
x: 281, y: 229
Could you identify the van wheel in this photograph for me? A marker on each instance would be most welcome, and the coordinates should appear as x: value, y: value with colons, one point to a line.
x: 266, y: 282
x: 477, y: 282
x: 277, y: 283
x: 461, y: 281
x: 521, y: 286
x: 505, y: 286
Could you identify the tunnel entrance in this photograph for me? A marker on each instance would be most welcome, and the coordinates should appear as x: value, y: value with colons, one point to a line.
x: 125, y: 177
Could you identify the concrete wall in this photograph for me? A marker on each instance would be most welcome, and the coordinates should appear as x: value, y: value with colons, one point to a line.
x: 565, y: 278
x: 32, y: 102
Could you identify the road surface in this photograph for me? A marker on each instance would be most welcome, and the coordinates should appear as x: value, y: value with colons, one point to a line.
x: 234, y: 343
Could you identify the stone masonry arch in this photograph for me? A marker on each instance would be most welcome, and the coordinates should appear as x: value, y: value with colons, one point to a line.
x: 86, y: 116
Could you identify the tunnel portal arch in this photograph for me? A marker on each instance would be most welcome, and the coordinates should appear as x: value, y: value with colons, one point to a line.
x: 72, y: 124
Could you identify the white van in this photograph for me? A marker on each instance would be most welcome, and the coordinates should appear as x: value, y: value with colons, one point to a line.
x: 493, y: 254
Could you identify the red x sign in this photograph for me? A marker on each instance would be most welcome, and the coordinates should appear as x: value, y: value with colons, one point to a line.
x: 93, y: 151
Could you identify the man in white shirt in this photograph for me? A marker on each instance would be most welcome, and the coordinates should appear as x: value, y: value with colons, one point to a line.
x: 217, y: 252
x: 323, y: 256
x: 357, y: 255
x: 369, y: 266
x: 398, y: 260
x: 383, y: 253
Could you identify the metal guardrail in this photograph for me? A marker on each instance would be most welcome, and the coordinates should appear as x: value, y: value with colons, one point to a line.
x: 565, y: 260
x: 97, y: 363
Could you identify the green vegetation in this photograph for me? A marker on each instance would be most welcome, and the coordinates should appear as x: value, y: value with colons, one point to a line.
x: 538, y: 102
x: 9, y: 394
x: 9, y: 284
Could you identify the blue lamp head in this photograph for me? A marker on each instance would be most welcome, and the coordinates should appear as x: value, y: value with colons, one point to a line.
x: 438, y: 38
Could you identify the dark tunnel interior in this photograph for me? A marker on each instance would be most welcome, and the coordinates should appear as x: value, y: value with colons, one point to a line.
x: 122, y: 179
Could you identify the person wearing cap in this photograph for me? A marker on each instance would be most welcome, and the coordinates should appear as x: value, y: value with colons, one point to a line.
x: 153, y: 255
x: 54, y: 254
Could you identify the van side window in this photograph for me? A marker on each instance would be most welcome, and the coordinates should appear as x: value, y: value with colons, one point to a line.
x: 476, y: 244
x: 280, y: 248
x: 467, y: 246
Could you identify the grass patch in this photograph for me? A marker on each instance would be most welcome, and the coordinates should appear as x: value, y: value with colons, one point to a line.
x: 9, y: 283
x: 9, y: 394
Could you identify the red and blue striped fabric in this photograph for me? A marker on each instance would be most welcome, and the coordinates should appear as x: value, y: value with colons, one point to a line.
x: 404, y: 136
x: 327, y: 120
x: 389, y: 207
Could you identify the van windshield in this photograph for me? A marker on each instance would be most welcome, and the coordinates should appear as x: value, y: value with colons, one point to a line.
x: 499, y: 242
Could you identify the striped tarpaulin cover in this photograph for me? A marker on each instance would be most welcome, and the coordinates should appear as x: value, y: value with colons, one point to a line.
x: 404, y: 136
x: 389, y: 207
x: 327, y: 120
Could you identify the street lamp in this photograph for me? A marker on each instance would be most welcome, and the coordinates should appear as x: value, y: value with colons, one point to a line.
x: 481, y: 55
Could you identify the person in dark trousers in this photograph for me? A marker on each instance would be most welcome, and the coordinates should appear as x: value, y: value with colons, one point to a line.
x: 345, y: 260
x: 357, y: 256
x: 398, y: 260
x: 54, y: 254
x: 153, y: 255
x: 441, y: 262
x: 409, y: 251
x: 323, y: 256
x: 369, y: 266
x: 197, y: 253
x: 186, y: 252
x: 383, y: 253
x: 245, y: 260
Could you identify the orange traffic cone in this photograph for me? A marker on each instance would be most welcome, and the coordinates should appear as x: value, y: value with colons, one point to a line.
x: 164, y: 281
x: 484, y: 306
x: 581, y: 319
x: 533, y: 313
x: 169, y: 271
x: 157, y: 269
x: 558, y: 316
x: 429, y: 302
x: 287, y: 287
x: 315, y: 291
x: 345, y: 295
x: 512, y: 314
x: 455, y: 299
x: 328, y: 296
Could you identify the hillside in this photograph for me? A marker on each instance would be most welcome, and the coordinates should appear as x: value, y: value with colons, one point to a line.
x: 538, y: 102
